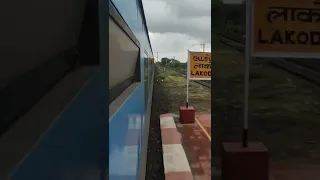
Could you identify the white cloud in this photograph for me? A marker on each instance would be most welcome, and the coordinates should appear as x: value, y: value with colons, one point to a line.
x: 174, y: 25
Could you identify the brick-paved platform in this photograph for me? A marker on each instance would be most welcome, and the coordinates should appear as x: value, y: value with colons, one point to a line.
x: 196, y: 140
x: 205, y: 121
x: 176, y: 165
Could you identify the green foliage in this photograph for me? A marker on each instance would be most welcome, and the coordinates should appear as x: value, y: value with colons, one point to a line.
x: 234, y: 32
x: 174, y: 64
x: 161, y: 77
x: 229, y: 20
x: 181, y: 70
x: 165, y: 61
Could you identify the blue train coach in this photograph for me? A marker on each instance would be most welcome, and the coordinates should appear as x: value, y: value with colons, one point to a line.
x: 55, y: 99
x: 131, y: 72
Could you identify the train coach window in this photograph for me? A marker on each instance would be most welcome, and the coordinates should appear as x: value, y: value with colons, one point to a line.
x: 124, y: 56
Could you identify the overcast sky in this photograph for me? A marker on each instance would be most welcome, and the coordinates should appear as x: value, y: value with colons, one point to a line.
x: 174, y: 25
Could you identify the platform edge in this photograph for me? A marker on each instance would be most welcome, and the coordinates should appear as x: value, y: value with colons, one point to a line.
x: 181, y: 168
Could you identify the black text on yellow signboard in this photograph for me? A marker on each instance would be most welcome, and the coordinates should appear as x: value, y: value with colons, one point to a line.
x: 286, y: 26
x: 199, y: 66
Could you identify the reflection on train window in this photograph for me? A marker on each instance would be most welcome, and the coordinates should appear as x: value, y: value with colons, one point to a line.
x: 123, y: 52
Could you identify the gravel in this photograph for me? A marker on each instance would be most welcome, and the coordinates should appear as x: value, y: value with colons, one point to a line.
x: 154, y: 167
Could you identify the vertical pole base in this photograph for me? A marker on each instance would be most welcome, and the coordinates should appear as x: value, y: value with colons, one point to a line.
x: 245, y: 138
x: 187, y: 115
x: 239, y: 163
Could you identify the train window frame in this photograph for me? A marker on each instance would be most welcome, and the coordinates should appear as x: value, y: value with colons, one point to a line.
x: 116, y: 91
x: 120, y: 91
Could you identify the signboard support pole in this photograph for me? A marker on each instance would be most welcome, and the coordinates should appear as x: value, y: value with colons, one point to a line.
x: 247, y: 72
x: 188, y: 64
x: 187, y: 103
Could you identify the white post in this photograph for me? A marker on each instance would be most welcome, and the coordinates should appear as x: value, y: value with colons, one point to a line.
x: 247, y: 71
x: 188, y: 61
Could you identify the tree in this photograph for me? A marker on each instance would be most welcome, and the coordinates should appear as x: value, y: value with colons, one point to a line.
x: 226, y: 16
x: 174, y: 63
x: 165, y: 61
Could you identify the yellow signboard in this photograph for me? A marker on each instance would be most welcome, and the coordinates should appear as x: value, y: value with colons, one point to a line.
x: 286, y: 28
x: 199, y: 66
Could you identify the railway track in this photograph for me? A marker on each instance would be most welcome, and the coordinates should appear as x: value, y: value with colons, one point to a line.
x: 307, y: 69
x: 202, y: 82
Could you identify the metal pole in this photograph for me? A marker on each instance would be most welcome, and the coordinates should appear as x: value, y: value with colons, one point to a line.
x: 204, y: 47
x: 187, y: 100
x: 157, y: 57
x: 247, y: 72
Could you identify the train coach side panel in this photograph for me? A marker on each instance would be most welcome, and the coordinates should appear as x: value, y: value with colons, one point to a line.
x: 75, y: 144
x: 125, y: 137
x: 128, y: 129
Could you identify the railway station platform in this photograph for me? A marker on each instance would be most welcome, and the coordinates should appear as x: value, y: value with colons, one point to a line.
x: 186, y: 147
x: 187, y: 152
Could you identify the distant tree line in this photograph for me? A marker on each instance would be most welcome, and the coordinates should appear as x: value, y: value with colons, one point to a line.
x: 228, y: 19
x: 173, y: 64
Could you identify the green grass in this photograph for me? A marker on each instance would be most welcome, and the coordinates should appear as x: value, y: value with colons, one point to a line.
x: 284, y: 110
x: 175, y: 89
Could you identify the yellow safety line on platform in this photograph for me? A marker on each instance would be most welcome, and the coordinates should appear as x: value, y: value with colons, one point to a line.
x: 203, y: 129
